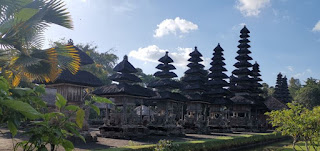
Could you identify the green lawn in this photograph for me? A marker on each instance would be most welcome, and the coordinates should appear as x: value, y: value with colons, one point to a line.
x: 219, y: 143
x: 282, y: 146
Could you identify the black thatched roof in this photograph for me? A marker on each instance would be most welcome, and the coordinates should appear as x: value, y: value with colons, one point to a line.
x: 124, y: 89
x: 166, y: 59
x: 194, y: 97
x: 82, y: 78
x: 164, y: 84
x: 244, y: 29
x: 274, y: 104
x: 195, y: 77
x: 166, y: 95
x: 242, y: 100
x: 84, y: 58
x: 125, y: 72
x: 216, y: 91
x: 125, y: 66
x: 125, y: 77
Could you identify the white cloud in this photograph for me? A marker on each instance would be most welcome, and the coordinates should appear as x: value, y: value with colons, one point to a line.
x: 123, y: 6
x: 251, y: 7
x: 309, y: 70
x: 238, y: 27
x: 290, y: 68
x: 316, y: 27
x: 174, y: 26
x: 153, y: 53
x: 301, y: 74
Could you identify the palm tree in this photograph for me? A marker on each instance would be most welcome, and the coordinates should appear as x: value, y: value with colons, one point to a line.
x: 22, y: 23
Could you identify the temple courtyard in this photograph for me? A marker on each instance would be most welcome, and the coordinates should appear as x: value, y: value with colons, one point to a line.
x: 105, y: 143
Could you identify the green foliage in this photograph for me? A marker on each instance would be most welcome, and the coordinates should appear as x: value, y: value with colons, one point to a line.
x: 146, y: 78
x: 17, y: 105
x: 55, y: 128
x: 294, y: 86
x: 309, y: 94
x: 299, y: 123
x: 267, y: 91
x: 22, y: 24
x: 60, y: 101
x: 164, y: 145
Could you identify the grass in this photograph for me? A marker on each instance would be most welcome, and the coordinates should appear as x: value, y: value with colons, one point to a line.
x: 282, y: 146
x: 219, y: 143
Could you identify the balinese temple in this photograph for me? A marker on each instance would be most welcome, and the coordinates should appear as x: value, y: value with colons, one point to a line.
x: 195, y: 120
x: 256, y: 92
x: 122, y: 120
x: 217, y: 93
x: 278, y: 92
x: 286, y: 94
x: 73, y: 88
x: 281, y: 89
x: 243, y: 104
x: 167, y: 105
x: 281, y: 95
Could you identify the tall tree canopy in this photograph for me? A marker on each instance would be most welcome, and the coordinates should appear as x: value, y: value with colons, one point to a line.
x: 309, y: 94
x: 294, y: 86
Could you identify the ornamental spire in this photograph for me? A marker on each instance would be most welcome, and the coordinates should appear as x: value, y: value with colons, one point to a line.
x: 217, y: 92
x: 242, y: 72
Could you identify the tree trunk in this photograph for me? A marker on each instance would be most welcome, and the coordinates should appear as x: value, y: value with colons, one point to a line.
x: 294, y: 144
x: 306, y: 145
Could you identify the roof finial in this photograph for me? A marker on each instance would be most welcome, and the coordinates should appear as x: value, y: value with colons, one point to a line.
x: 70, y: 42
x: 125, y: 57
x: 167, y: 53
x: 195, y: 48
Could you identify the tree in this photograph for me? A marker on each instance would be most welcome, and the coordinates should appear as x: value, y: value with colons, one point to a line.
x: 294, y: 86
x: 146, y: 78
x: 104, y: 62
x: 298, y: 122
x: 309, y: 94
x: 267, y: 91
x: 22, y: 24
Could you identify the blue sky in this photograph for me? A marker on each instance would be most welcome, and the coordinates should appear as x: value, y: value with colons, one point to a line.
x: 285, y: 34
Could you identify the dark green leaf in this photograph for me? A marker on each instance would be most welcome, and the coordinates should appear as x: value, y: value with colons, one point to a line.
x: 95, y: 108
x: 61, y: 101
x: 67, y: 145
x: 80, y: 117
x: 12, y: 127
x: 72, y: 108
x: 101, y: 100
x: 22, y: 107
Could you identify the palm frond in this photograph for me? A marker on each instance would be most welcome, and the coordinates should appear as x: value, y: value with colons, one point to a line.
x: 56, y: 13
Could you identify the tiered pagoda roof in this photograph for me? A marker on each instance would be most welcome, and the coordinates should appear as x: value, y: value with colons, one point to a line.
x: 286, y: 94
x: 195, y: 77
x: 82, y: 78
x: 216, y: 85
x: 256, y: 86
x: 278, y: 88
x: 165, y: 84
x: 242, y: 71
x: 256, y: 90
x: 126, y: 80
x: 281, y: 89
